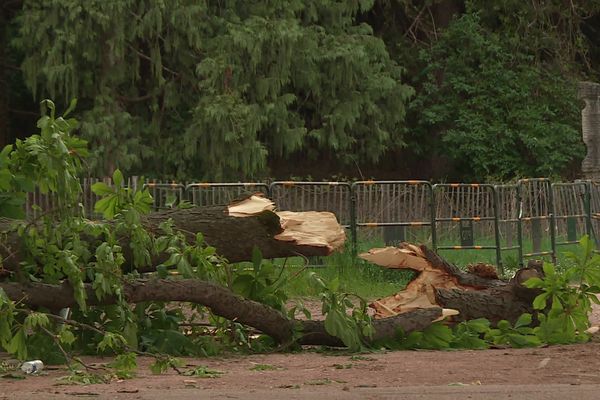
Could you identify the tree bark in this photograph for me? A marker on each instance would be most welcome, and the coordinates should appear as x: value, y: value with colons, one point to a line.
x: 221, y: 301
x: 475, y: 294
x: 233, y: 230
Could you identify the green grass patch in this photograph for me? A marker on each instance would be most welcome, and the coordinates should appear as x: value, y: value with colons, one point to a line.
x: 356, y: 276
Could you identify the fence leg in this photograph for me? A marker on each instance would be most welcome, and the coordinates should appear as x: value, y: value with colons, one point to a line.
x: 353, y: 230
x: 497, y: 234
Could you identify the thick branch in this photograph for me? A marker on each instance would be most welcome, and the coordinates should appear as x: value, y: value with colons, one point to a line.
x: 221, y: 301
x: 233, y: 230
x: 474, y: 294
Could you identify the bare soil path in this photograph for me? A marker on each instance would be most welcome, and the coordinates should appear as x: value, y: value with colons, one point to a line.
x: 553, y: 372
x: 342, y: 375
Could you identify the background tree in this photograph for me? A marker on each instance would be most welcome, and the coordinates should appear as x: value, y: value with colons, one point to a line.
x: 209, y: 90
x: 248, y: 89
x: 499, y: 112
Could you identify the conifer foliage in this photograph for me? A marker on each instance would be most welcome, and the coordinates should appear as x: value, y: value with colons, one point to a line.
x: 212, y: 88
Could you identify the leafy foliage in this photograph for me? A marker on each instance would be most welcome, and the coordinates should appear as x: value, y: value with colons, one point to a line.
x: 498, y: 113
x: 566, y: 299
x: 521, y: 335
x: 352, y: 328
x: 260, y: 283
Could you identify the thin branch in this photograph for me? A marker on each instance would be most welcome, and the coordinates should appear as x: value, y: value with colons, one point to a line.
x: 413, y: 24
x: 137, y: 99
x: 146, y: 57
x: 9, y: 66
x: 92, y: 328
x: 62, y: 350
x: 433, y: 23
x: 23, y: 112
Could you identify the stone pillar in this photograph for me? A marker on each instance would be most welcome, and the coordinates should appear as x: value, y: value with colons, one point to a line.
x: 589, y: 92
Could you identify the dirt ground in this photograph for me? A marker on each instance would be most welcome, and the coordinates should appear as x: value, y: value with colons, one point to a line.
x: 342, y: 375
x: 538, y: 373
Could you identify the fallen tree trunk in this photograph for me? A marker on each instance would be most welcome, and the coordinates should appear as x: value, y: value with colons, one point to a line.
x: 233, y: 230
x: 221, y: 301
x: 475, y: 294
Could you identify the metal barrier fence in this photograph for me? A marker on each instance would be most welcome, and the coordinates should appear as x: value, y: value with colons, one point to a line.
x: 461, y: 206
x: 532, y: 217
x: 335, y: 197
x: 594, y: 209
x: 166, y: 195
x: 393, y: 210
x: 537, y: 213
x: 571, y: 212
x: 510, y: 232
x: 209, y: 194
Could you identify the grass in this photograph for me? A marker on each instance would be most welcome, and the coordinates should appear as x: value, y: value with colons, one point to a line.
x: 355, y: 276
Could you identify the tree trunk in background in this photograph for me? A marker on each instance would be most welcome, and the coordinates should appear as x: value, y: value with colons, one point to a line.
x: 4, y: 114
x: 444, y: 11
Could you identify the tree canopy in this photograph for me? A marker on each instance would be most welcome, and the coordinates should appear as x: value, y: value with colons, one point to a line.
x: 217, y: 90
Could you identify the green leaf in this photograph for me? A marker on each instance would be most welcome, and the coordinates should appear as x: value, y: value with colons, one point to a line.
x: 107, y: 206
x: 539, y: 303
x: 524, y: 320
x: 479, y: 325
x: 256, y: 258
x: 549, y: 269
x: 18, y: 345
x: 36, y: 319
x: 244, y: 285
x: 125, y: 365
x: 534, y: 283
x: 71, y: 107
x: 334, y: 284
x: 102, y: 189
x: 65, y: 336
x: 117, y: 178
x: 162, y: 271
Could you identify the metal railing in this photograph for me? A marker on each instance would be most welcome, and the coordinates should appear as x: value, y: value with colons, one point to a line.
x: 210, y: 194
x: 537, y: 209
x: 394, y: 207
x: 479, y: 207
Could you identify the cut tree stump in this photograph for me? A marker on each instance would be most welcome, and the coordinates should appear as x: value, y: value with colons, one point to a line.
x: 234, y: 231
x: 475, y: 294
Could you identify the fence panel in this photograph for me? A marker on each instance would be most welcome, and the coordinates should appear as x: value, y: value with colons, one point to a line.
x: 392, y: 212
x: 166, y: 195
x: 334, y: 197
x: 571, y: 212
x: 594, y: 209
x: 210, y: 194
x: 508, y: 200
x: 467, y: 213
x: 537, y: 219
